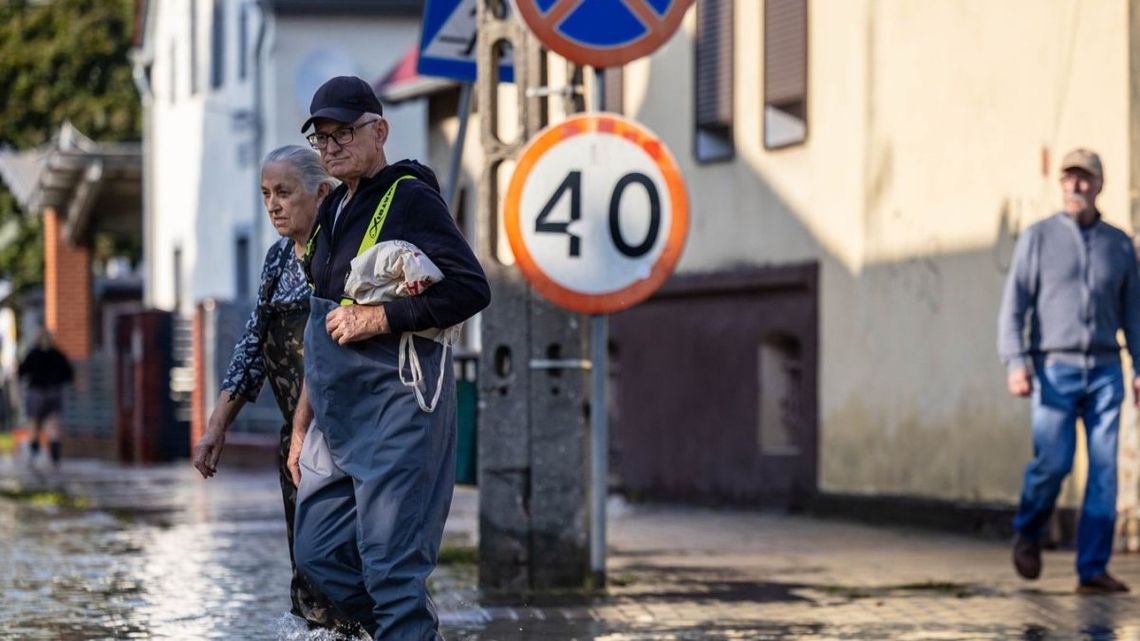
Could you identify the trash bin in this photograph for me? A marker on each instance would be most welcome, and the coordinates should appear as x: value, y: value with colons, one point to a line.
x: 467, y: 410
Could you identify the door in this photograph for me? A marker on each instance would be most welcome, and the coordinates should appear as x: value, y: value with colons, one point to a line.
x: 714, y: 389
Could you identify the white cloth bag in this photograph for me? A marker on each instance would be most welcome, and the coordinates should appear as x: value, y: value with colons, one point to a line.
x: 394, y: 269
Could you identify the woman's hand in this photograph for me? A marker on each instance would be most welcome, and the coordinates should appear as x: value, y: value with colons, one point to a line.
x: 209, y: 450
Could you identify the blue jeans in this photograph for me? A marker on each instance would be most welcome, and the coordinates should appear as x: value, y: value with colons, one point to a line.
x: 1061, y: 394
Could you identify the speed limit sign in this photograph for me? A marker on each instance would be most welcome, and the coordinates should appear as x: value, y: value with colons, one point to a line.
x: 596, y: 213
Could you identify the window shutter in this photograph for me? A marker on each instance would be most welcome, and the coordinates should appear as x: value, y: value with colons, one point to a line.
x: 785, y: 51
x: 217, y: 45
x: 713, y: 63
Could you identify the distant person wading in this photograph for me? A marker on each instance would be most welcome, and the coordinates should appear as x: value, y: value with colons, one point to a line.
x: 47, y: 371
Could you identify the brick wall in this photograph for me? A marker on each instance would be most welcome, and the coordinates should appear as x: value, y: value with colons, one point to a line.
x: 67, y: 289
x: 198, y: 396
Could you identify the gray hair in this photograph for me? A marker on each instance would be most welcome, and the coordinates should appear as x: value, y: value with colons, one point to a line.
x: 307, y: 164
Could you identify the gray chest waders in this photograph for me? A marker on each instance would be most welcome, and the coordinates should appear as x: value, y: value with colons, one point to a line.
x: 376, y: 481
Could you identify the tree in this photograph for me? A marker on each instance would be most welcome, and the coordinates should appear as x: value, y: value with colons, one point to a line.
x: 61, y: 60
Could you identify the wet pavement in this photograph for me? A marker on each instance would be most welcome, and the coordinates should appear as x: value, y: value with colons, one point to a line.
x: 97, y: 551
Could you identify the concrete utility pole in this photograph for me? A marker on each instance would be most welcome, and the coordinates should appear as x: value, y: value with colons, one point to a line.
x: 533, y: 377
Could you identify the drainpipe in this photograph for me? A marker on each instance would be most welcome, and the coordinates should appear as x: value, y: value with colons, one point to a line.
x: 258, y: 124
x: 140, y: 58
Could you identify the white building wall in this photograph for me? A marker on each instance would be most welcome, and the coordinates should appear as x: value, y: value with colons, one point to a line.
x: 305, y: 52
x: 204, y: 147
x: 174, y: 147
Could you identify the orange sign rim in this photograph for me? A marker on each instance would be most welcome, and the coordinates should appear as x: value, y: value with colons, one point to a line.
x: 661, y: 29
x: 637, y: 291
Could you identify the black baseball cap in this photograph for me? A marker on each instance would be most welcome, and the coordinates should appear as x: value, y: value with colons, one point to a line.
x: 343, y: 99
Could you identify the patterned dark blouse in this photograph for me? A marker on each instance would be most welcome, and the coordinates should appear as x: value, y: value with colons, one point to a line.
x: 290, y: 292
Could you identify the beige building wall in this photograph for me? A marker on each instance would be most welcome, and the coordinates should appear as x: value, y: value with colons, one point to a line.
x: 934, y: 133
x: 935, y: 129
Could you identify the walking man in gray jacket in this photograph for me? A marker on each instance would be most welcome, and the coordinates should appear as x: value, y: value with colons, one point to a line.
x: 1072, y: 285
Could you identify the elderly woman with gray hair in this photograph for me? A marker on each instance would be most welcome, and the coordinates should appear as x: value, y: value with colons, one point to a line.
x: 293, y: 183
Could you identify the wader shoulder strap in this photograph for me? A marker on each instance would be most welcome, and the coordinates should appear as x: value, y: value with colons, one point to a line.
x: 379, y: 216
x: 376, y: 224
x: 370, y: 234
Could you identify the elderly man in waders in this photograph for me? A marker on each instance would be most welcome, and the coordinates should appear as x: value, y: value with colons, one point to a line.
x: 375, y: 472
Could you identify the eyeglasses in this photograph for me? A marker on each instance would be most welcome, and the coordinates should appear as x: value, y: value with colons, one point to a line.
x: 342, y: 136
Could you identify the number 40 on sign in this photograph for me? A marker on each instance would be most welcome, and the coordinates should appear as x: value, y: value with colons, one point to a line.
x: 596, y: 213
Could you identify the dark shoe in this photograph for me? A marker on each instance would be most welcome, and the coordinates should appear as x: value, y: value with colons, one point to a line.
x: 1101, y: 584
x: 1027, y: 557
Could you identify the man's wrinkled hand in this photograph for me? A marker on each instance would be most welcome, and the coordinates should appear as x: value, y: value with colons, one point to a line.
x: 353, y: 323
x: 1020, y: 382
x: 208, y: 451
x: 293, y: 463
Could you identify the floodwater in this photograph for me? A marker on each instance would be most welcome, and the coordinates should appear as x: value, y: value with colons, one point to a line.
x: 98, y: 551
x: 105, y: 552
x: 155, y: 555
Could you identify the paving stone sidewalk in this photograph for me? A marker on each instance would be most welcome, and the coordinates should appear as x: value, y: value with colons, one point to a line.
x: 687, y: 573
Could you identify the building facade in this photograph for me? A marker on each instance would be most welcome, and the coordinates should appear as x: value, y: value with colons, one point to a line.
x: 224, y: 82
x: 858, y: 174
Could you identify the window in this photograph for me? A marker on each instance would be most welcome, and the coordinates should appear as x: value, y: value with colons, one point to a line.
x: 193, y: 47
x: 781, y: 404
x: 241, y: 267
x: 243, y: 41
x: 713, y: 71
x: 785, y: 72
x: 177, y: 271
x: 218, y: 45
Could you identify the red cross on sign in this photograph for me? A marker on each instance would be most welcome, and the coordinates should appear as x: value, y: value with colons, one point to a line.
x: 603, y: 33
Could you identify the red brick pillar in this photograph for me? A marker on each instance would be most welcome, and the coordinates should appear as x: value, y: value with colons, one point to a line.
x: 198, y: 396
x: 67, y: 289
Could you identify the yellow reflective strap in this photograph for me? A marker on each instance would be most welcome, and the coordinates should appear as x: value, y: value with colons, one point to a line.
x: 307, y: 259
x: 373, y: 232
x: 312, y: 239
x: 379, y: 216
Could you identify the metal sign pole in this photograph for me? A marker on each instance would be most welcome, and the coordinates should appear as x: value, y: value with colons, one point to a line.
x: 573, y: 31
x: 460, y: 140
x: 598, y: 447
x: 599, y: 432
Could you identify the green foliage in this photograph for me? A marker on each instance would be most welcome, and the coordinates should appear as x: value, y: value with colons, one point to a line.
x: 66, y: 60
x: 59, y: 60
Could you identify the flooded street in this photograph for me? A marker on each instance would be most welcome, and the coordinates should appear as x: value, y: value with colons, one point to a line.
x: 161, y: 556
x: 99, y: 551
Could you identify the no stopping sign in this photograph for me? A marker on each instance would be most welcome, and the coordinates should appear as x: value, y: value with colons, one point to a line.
x: 603, y: 33
x: 596, y: 213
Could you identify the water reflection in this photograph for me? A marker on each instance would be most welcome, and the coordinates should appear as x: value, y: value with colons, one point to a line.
x: 162, y: 556
x: 157, y: 553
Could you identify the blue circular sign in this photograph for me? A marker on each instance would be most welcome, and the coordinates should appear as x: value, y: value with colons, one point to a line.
x: 603, y: 33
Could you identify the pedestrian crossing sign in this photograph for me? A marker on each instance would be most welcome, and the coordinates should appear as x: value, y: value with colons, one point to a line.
x: 447, y: 42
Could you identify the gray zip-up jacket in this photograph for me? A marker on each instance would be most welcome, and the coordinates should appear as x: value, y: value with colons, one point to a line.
x: 1075, y: 288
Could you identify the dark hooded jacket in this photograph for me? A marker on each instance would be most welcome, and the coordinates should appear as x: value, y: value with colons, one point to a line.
x: 46, y: 368
x: 416, y: 215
